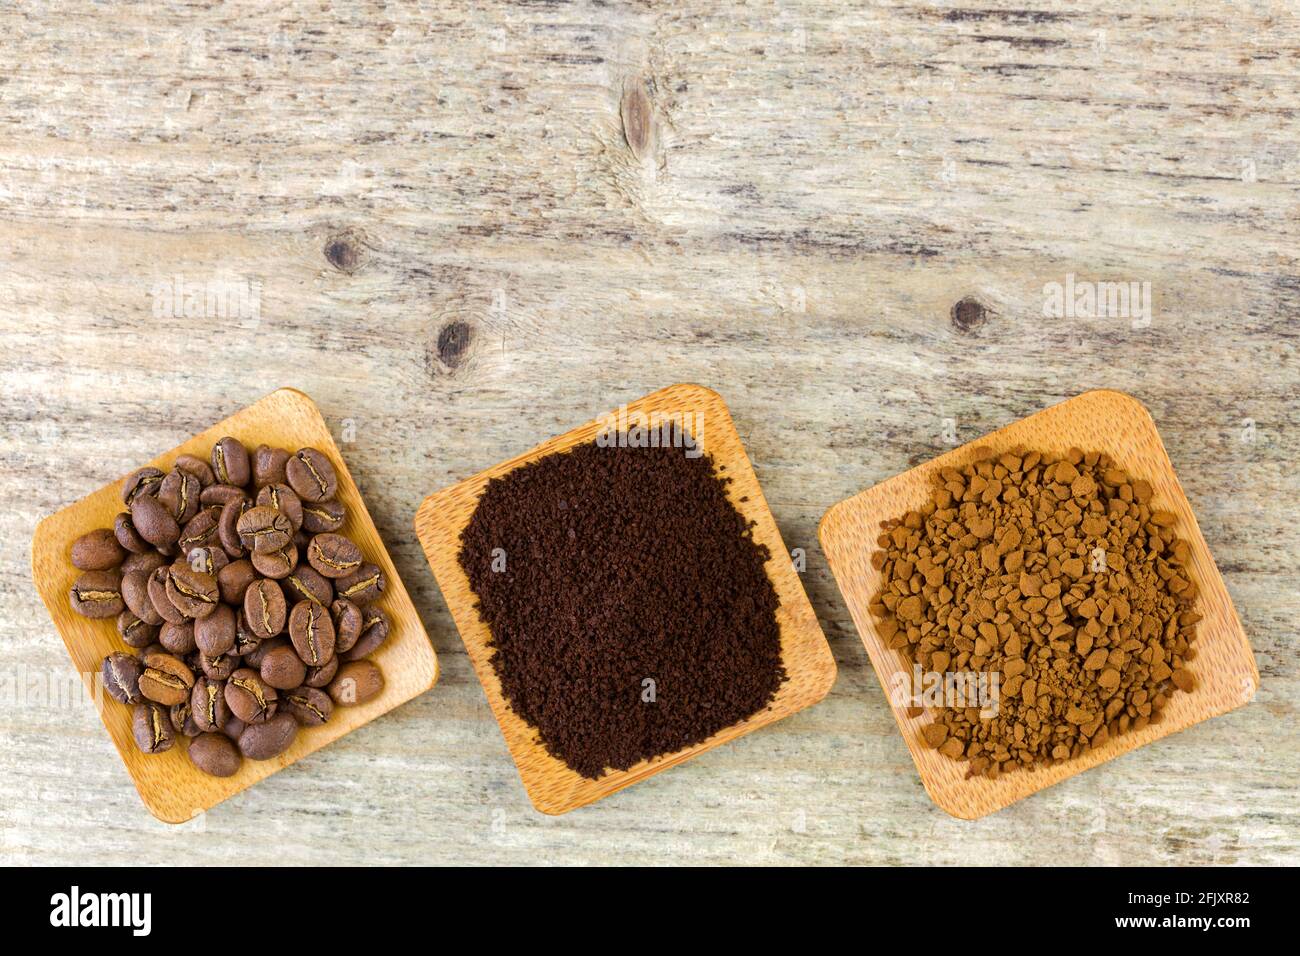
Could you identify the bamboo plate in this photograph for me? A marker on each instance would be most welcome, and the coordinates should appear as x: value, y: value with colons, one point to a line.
x: 171, y: 787
x: 551, y: 786
x: 1094, y: 421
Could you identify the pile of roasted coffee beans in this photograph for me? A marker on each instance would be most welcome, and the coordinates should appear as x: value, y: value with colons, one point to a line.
x: 251, y: 614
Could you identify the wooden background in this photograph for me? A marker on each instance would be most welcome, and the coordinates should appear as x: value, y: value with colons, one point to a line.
x: 476, y: 225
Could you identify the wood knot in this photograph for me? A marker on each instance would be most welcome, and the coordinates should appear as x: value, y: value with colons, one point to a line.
x: 637, y: 115
x: 453, y: 341
x: 968, y: 314
x: 344, y: 252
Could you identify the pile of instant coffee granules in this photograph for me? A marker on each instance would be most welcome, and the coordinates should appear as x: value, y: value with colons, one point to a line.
x: 1058, y: 575
x: 629, y: 608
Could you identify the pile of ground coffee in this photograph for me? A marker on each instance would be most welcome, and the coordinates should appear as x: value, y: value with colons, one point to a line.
x: 1058, y: 575
x: 630, y: 612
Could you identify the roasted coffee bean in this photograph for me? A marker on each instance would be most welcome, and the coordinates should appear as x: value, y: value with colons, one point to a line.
x: 208, y: 703
x: 97, y: 550
x: 321, y: 517
x: 218, y: 496
x: 284, y: 500
x: 268, y: 466
x: 251, y: 699
x: 356, y: 682
x: 166, y: 679
x: 167, y: 662
x: 276, y: 564
x: 159, y: 598
x: 374, y: 631
x: 311, y: 475
x: 321, y: 676
x: 178, y: 639
x: 233, y: 727
x: 233, y: 580
x: 180, y: 493
x: 141, y: 482
x: 262, y: 530
x: 209, y: 560
x: 135, y: 632
x: 245, y: 640
x: 215, y: 634
x: 306, y: 583
x: 364, y: 585
x: 230, y: 464
x: 219, y: 668
x: 215, y: 754
x: 155, y: 523
x: 197, y: 467
x: 270, y: 739
x: 120, y: 675
x: 347, y: 624
x: 265, y: 608
x: 200, y: 532
x: 312, y: 633
x: 333, y: 555
x: 97, y: 594
x: 178, y: 715
x: 183, y: 719
x: 194, y: 593
x: 152, y: 728
x: 135, y: 593
x: 147, y: 562
x: 152, y: 649
x: 126, y: 535
x: 282, y: 668
x: 310, y: 706
x: 228, y: 526
x: 254, y: 657
x: 214, y: 561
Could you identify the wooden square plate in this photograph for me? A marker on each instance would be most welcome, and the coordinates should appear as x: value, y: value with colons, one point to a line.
x: 1107, y: 421
x: 171, y: 787
x: 551, y: 785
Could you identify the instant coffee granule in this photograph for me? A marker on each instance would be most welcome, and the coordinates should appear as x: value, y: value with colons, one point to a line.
x: 629, y: 609
x: 1058, y: 574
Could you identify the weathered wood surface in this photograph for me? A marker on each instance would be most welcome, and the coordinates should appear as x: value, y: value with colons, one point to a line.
x: 476, y: 225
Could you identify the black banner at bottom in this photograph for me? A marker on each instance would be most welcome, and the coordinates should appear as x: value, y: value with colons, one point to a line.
x: 336, y: 905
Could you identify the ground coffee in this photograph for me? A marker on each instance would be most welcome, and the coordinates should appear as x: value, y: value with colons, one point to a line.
x: 630, y: 612
x: 1059, y: 576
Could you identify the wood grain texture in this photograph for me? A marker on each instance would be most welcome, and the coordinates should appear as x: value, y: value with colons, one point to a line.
x: 1108, y: 421
x: 460, y: 255
x: 172, y: 788
x: 551, y: 785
